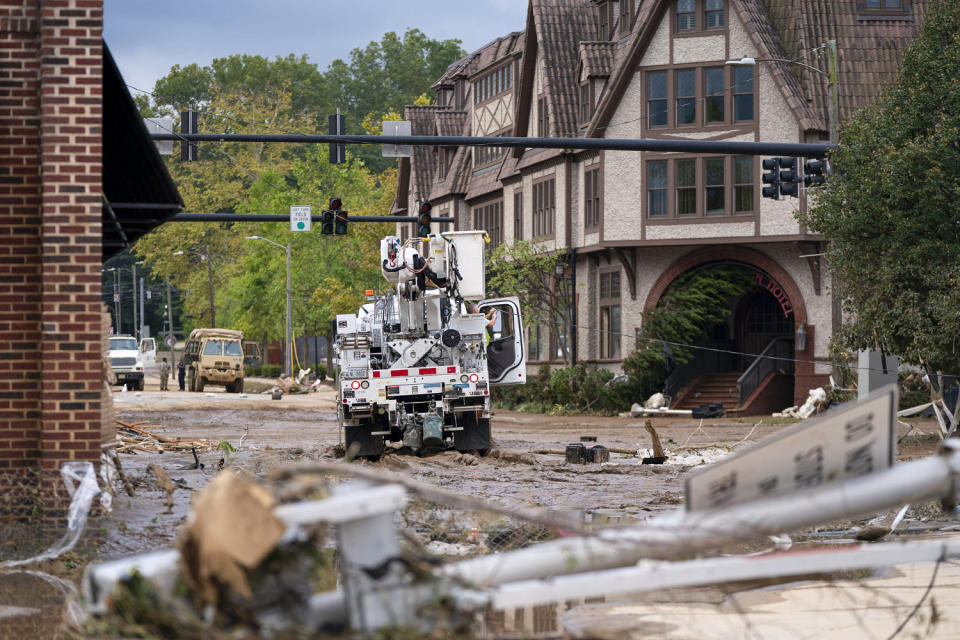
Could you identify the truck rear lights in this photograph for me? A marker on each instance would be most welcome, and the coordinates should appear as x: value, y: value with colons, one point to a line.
x: 365, y: 384
x: 451, y: 369
x: 355, y: 384
x: 474, y: 377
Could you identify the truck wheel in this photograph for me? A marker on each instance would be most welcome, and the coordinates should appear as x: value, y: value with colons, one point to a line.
x: 359, y: 443
x: 139, y: 385
x: 238, y: 386
x: 201, y: 383
x: 191, y: 380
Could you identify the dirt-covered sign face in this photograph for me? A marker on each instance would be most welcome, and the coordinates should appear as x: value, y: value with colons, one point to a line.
x: 843, y: 444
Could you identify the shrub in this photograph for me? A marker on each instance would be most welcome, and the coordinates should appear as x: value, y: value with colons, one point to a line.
x: 321, y: 371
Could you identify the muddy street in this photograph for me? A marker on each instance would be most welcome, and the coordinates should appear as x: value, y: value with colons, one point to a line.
x: 525, y: 469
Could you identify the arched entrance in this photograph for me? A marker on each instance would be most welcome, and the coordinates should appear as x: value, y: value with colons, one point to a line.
x: 766, y: 315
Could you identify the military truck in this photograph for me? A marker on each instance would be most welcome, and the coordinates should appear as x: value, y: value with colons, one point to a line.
x: 214, y: 356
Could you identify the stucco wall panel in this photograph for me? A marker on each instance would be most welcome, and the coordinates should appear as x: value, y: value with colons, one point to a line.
x: 690, y: 50
x: 698, y: 230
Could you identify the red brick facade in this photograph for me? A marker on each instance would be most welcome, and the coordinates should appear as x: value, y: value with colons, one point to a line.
x: 50, y: 242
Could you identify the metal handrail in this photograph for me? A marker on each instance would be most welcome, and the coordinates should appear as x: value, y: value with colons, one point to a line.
x: 777, y: 356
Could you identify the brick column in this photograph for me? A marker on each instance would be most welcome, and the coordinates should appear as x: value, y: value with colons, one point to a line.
x: 50, y: 243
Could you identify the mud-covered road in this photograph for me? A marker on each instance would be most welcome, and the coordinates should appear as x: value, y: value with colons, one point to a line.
x: 526, y: 467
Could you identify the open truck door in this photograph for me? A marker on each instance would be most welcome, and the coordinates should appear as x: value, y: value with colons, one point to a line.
x: 506, y: 357
x: 148, y: 352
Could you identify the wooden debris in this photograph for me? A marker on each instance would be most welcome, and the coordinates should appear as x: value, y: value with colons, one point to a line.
x: 657, y: 447
x: 165, y: 483
x: 134, y: 437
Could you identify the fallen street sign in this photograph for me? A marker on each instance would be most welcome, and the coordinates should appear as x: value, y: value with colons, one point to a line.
x: 300, y: 218
x: 849, y: 442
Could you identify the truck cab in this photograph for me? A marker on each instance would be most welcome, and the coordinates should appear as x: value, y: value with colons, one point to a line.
x: 214, y: 356
x: 124, y: 356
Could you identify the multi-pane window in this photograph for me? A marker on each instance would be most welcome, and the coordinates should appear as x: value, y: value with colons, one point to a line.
x: 493, y: 84
x: 884, y: 7
x: 742, y: 93
x: 657, y: 188
x: 714, y: 192
x: 657, y: 99
x: 700, y: 186
x: 603, y: 20
x: 490, y: 218
x: 714, y: 91
x: 543, y: 120
x: 686, y: 187
x: 591, y: 197
x: 518, y: 215
x: 674, y: 98
x: 686, y: 97
x: 544, y: 202
x: 686, y: 15
x: 698, y: 15
x: 742, y: 185
x: 533, y: 342
x: 487, y: 155
x: 610, y: 315
x: 586, y: 104
x: 626, y: 16
x: 713, y: 13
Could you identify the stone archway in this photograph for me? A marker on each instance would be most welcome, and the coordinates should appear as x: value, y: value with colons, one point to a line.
x: 744, y: 255
x: 780, y: 284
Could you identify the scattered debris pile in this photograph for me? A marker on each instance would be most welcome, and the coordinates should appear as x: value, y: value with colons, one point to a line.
x: 136, y: 437
x: 816, y: 402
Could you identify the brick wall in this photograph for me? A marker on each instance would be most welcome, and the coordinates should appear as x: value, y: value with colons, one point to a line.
x: 50, y: 244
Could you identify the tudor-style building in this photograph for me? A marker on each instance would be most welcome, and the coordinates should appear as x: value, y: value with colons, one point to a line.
x: 631, y: 223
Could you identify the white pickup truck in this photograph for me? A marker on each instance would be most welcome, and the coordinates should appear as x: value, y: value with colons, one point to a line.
x: 125, y: 361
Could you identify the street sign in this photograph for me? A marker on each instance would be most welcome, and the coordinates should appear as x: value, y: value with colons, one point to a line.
x: 161, y: 125
x: 843, y: 444
x: 170, y: 341
x: 397, y: 128
x: 300, y: 218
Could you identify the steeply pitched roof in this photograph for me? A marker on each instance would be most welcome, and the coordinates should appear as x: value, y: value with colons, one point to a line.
x: 560, y: 27
x: 423, y: 122
x: 471, y: 64
x: 597, y: 58
x: 869, y: 50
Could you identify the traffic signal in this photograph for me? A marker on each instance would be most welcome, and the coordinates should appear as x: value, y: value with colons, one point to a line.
x: 334, y: 219
x: 326, y: 222
x: 789, y: 178
x: 423, y: 219
x: 771, y: 176
x: 813, y: 172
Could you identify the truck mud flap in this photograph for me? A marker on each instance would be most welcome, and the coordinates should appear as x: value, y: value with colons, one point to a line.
x: 361, y: 443
x: 475, y: 435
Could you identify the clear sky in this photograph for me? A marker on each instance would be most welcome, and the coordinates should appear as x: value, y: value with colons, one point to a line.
x: 147, y: 38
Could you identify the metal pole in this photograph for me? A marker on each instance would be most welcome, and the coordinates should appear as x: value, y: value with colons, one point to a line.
x: 116, y: 300
x: 289, y: 353
x: 213, y: 312
x: 832, y: 72
x: 169, y: 316
x: 141, y: 305
x: 806, y: 150
x: 136, y: 326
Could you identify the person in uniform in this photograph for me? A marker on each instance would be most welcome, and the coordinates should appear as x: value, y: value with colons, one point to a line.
x: 182, y: 374
x: 164, y: 374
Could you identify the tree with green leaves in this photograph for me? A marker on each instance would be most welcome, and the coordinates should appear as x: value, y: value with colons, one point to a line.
x: 694, y: 302
x: 891, y: 207
x: 539, y: 275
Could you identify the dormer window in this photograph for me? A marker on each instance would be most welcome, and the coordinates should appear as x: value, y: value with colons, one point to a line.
x: 884, y: 10
x: 694, y: 16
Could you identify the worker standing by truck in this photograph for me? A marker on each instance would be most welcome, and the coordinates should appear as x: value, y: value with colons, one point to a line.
x: 181, y: 374
x: 164, y: 374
